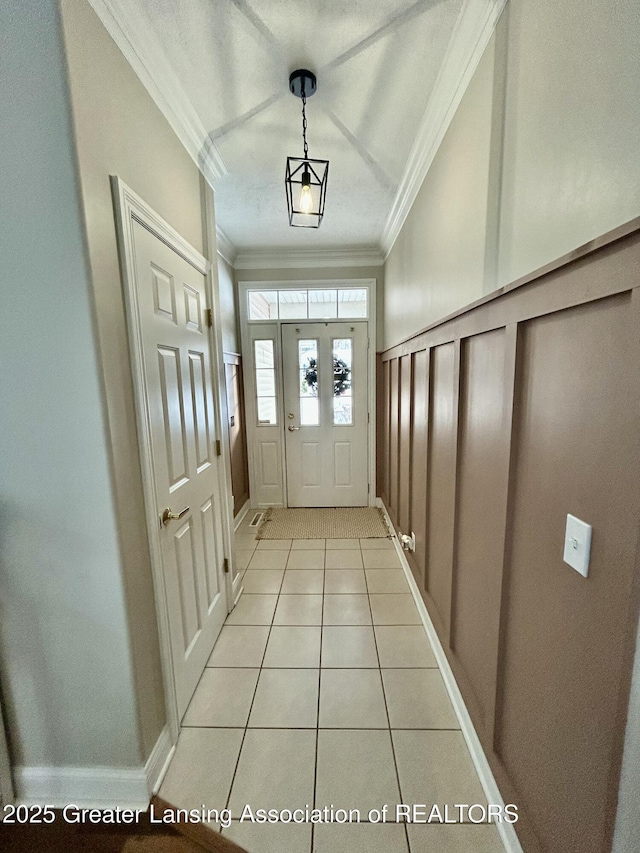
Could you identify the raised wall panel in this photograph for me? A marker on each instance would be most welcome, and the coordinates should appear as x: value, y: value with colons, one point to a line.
x: 192, y: 309
x: 174, y: 426
x: 419, y: 435
x: 342, y: 474
x: 441, y: 487
x: 383, y: 460
x: 211, y: 551
x: 309, y: 461
x: 187, y: 584
x: 237, y: 432
x: 394, y: 400
x: 564, y: 664
x: 404, y: 449
x: 269, y: 468
x: 482, y: 477
x: 200, y: 415
x: 164, y: 298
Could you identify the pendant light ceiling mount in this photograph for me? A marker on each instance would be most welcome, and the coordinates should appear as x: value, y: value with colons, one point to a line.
x: 305, y: 178
x: 302, y: 83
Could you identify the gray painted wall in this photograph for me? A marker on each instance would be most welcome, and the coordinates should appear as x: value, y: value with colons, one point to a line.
x: 540, y: 158
x: 64, y: 655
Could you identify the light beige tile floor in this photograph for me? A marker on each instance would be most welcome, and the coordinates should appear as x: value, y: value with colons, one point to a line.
x: 323, y: 689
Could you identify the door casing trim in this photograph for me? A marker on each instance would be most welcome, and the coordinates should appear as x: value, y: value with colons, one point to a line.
x: 129, y: 209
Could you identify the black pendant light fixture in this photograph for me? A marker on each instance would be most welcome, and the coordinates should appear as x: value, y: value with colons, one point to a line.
x: 305, y: 179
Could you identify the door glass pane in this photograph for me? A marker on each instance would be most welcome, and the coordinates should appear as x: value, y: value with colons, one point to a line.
x: 293, y: 304
x: 263, y: 304
x: 309, y: 411
x: 265, y: 383
x: 352, y: 303
x: 342, y: 382
x: 267, y: 411
x: 323, y: 304
x: 342, y: 411
x: 264, y: 353
x: 265, y: 376
x: 309, y: 386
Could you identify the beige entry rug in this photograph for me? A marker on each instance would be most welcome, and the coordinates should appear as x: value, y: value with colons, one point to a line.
x: 324, y: 523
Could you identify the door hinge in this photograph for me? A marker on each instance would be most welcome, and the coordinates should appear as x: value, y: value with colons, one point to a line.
x: 225, y: 566
x: 218, y: 447
x: 209, y: 316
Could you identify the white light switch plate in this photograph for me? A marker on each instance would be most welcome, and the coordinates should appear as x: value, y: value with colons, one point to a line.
x: 577, y: 545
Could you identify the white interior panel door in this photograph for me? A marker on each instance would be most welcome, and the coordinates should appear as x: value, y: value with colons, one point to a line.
x: 177, y: 367
x: 326, y: 417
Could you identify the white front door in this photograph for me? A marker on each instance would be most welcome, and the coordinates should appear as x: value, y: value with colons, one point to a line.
x: 177, y: 367
x: 326, y: 416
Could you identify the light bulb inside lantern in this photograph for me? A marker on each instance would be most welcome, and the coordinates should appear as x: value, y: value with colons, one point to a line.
x: 306, y: 199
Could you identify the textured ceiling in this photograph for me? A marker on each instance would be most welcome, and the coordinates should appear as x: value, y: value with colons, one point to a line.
x: 376, y: 61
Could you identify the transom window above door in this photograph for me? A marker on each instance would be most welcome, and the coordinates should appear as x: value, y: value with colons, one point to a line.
x: 308, y: 304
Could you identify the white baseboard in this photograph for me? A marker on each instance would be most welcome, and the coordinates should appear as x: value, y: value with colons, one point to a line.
x: 237, y: 521
x: 158, y: 762
x: 86, y: 787
x: 506, y: 831
x: 236, y: 589
x: 95, y: 787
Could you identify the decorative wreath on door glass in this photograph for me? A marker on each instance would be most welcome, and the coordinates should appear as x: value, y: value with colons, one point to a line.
x: 341, y: 377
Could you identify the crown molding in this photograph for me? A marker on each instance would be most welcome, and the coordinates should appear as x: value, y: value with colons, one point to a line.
x: 225, y: 247
x: 470, y: 37
x: 266, y: 259
x: 131, y: 32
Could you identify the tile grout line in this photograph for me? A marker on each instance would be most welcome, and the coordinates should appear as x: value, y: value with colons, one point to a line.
x: 315, y: 766
x: 255, y: 690
x: 329, y: 728
x: 386, y: 707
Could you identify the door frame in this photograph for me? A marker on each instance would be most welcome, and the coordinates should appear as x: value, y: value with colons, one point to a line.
x: 130, y: 209
x: 249, y: 380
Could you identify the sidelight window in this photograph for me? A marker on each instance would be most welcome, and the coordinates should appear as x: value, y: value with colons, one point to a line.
x: 265, y: 382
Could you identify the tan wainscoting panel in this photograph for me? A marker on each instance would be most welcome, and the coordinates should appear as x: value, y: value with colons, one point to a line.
x: 237, y: 431
x: 394, y: 435
x: 382, y: 437
x: 404, y: 449
x: 441, y: 489
x: 482, y: 481
x: 419, y: 438
x: 565, y: 635
x: 494, y: 424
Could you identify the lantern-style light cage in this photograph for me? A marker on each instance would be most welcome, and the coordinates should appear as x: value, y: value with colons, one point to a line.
x: 305, y: 178
x: 306, y: 185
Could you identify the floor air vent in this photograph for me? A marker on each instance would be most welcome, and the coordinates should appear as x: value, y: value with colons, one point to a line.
x: 257, y: 518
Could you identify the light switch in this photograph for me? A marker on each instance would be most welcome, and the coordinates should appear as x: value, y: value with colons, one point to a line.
x: 577, y: 545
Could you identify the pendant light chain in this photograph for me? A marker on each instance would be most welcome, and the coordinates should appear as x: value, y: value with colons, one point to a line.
x: 304, y: 125
x: 305, y: 179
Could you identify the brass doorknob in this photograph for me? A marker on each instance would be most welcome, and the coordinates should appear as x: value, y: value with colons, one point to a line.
x: 168, y: 515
